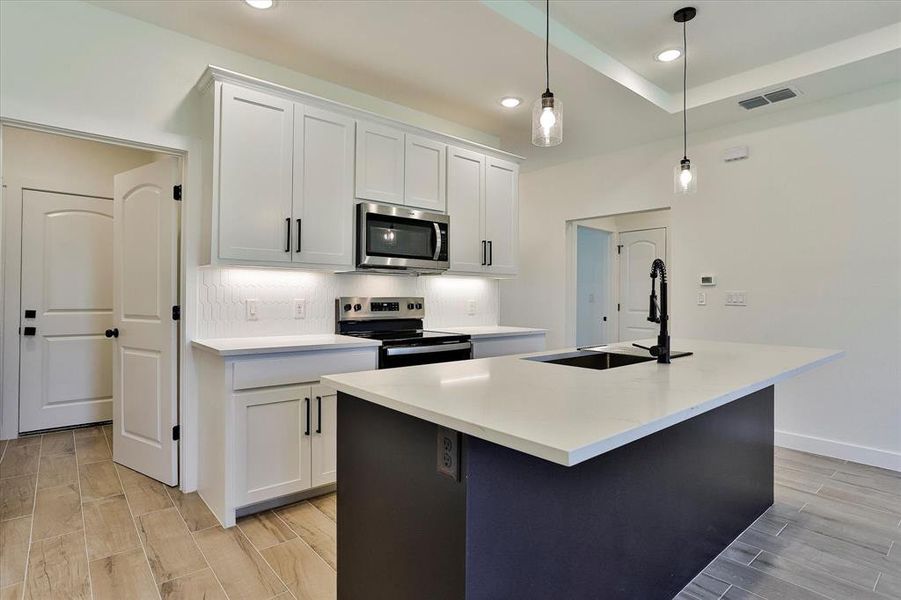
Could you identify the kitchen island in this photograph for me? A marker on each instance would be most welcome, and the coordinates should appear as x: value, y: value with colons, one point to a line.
x: 515, y: 478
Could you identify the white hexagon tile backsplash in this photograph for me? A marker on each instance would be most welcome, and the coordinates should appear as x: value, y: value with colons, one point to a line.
x: 223, y: 293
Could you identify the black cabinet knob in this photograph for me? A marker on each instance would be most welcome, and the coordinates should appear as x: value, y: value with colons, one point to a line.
x: 347, y: 307
x: 418, y: 306
x: 410, y: 306
x: 358, y: 307
x: 111, y: 333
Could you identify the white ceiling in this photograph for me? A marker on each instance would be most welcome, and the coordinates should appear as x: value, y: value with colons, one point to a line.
x: 455, y: 59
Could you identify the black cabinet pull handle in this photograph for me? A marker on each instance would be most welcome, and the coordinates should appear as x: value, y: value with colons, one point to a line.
x: 484, y: 253
x: 307, y: 402
x: 288, y: 234
x: 111, y: 333
x: 490, y: 253
x: 298, y: 236
x: 319, y: 414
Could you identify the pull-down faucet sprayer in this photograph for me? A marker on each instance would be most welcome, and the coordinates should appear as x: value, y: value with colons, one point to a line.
x: 659, y: 313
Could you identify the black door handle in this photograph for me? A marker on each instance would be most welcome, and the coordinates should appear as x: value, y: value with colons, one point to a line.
x: 112, y: 333
x: 307, y: 402
x: 318, y: 414
x: 288, y: 234
x: 298, y: 236
x: 29, y: 331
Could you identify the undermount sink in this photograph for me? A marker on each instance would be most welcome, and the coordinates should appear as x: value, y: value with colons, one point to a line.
x: 592, y: 360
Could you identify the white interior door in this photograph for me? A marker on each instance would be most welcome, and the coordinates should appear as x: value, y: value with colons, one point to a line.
x: 67, y: 304
x: 638, y: 251
x: 145, y: 287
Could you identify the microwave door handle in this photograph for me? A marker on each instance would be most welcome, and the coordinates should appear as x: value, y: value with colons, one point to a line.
x: 437, y: 241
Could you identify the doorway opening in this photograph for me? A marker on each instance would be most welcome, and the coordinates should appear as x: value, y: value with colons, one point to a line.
x: 90, y: 271
x: 608, y: 266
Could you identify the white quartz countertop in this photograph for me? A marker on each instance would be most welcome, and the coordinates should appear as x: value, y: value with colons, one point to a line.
x: 568, y: 414
x: 487, y: 331
x: 280, y: 343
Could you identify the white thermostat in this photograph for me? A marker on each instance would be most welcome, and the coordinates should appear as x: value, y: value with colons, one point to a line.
x: 708, y: 279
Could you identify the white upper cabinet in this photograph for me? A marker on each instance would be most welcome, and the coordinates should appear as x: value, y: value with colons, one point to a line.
x: 323, y: 187
x: 254, y: 175
x: 502, y: 216
x: 425, y: 180
x: 465, y: 205
x: 380, y: 163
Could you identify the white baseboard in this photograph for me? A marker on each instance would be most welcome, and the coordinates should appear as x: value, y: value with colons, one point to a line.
x: 842, y: 450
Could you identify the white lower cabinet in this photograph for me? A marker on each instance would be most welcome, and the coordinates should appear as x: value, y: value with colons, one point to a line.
x: 273, y: 435
x: 268, y: 428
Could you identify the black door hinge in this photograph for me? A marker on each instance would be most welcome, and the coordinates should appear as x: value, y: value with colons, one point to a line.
x: 176, y: 192
x: 176, y: 313
x: 176, y: 433
x: 619, y: 248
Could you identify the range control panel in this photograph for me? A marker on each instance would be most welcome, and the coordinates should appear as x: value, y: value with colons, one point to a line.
x: 357, y: 308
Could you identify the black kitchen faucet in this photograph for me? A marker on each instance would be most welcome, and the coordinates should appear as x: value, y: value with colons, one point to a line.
x: 658, y: 313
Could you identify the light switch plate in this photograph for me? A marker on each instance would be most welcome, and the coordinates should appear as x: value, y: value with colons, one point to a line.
x: 252, y: 311
x: 702, y: 298
x: 300, y: 308
x: 737, y: 298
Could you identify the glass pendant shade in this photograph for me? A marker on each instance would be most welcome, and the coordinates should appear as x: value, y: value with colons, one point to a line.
x: 685, y: 177
x: 547, y: 121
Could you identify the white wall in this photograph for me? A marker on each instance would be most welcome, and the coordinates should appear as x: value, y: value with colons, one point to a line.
x: 75, y: 66
x: 809, y: 225
x: 223, y: 294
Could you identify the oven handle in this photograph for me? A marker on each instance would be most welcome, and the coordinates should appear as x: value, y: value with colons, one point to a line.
x: 404, y: 350
x: 437, y: 241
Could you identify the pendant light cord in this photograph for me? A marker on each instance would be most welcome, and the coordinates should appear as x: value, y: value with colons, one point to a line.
x: 684, y: 92
x: 547, y: 46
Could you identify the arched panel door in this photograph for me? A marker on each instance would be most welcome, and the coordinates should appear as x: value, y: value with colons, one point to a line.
x: 145, y: 288
x: 638, y: 251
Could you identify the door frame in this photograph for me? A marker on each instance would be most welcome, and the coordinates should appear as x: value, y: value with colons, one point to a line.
x: 572, y: 253
x: 10, y: 270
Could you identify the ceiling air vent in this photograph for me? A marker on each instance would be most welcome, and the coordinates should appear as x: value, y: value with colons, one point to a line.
x: 754, y: 102
x: 780, y: 95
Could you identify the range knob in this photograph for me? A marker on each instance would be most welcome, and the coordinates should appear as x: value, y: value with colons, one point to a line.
x: 358, y: 307
x: 347, y: 307
x: 418, y: 306
x: 410, y: 306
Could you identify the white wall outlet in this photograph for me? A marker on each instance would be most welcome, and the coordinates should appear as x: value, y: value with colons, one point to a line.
x: 252, y: 311
x: 737, y: 298
x: 300, y: 308
x: 702, y: 298
x: 470, y: 307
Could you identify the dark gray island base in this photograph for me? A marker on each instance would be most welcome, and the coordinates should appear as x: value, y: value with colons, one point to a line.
x: 638, y: 522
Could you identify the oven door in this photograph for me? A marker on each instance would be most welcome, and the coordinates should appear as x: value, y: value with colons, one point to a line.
x: 406, y: 356
x: 393, y: 237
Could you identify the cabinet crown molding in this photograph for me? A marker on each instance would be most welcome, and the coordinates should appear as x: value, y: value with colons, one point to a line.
x: 214, y: 73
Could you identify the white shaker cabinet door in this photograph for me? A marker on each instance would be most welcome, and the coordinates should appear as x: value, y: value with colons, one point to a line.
x: 254, y: 175
x: 380, y: 163
x: 465, y: 205
x: 425, y: 180
x: 323, y: 187
x: 325, y: 435
x: 502, y: 216
x: 273, y: 430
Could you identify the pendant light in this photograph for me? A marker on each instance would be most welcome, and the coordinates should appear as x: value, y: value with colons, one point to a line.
x: 685, y: 177
x: 547, y: 113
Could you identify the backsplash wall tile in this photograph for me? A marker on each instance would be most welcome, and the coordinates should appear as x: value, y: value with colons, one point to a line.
x: 223, y: 293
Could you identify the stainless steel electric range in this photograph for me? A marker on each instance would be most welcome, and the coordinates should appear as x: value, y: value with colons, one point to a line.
x: 397, y: 324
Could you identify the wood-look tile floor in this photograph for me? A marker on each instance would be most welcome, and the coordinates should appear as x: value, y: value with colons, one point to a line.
x: 75, y: 525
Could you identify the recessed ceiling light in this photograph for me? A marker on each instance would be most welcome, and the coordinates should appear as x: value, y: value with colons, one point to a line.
x: 261, y: 4
x: 668, y: 55
x: 510, y: 102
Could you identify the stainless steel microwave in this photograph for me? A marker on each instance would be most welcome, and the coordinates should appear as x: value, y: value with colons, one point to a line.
x: 399, y: 238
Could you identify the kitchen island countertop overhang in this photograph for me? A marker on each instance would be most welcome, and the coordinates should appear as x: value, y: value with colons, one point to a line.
x: 568, y: 415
